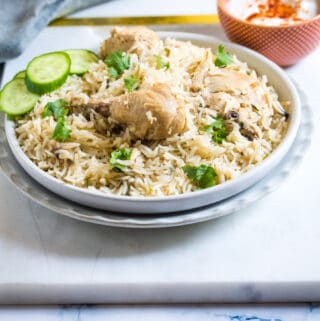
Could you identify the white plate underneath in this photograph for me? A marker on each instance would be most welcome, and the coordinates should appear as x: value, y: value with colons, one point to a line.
x: 15, y: 173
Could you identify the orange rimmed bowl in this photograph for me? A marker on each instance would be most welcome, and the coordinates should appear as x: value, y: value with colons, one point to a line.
x: 285, y: 45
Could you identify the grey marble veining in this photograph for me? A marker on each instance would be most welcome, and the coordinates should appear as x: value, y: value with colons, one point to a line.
x: 298, y: 312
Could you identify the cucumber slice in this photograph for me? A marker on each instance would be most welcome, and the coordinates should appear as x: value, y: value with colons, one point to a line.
x: 81, y: 60
x: 20, y: 74
x: 47, y: 72
x: 15, y: 99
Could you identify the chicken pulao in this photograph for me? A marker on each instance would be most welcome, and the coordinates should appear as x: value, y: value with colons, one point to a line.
x: 154, y: 117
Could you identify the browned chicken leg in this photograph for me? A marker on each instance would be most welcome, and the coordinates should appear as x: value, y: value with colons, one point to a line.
x: 152, y: 114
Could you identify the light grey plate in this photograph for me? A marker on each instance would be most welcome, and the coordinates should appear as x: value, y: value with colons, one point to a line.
x: 14, y: 172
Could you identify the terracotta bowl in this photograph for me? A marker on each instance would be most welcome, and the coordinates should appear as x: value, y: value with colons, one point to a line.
x: 285, y: 45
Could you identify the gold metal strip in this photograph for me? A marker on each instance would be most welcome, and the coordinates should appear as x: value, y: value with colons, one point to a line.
x: 156, y: 20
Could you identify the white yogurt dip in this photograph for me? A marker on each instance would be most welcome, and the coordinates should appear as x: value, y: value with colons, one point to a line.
x: 273, y: 12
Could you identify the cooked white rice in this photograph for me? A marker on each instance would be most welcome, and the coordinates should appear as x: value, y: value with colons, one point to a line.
x: 155, y: 168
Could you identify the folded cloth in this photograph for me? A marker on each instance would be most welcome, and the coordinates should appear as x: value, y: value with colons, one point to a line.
x: 21, y: 21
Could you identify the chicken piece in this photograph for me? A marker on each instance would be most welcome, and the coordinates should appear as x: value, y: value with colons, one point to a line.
x: 129, y: 39
x: 198, y: 76
x: 150, y: 114
x: 220, y: 101
x: 201, y: 72
x: 230, y: 81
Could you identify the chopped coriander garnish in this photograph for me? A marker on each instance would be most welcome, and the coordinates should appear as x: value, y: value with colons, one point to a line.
x: 57, y: 109
x: 120, y: 154
x: 117, y: 62
x: 223, y: 58
x: 61, y: 131
x: 113, y: 72
x: 217, y: 130
x: 161, y: 63
x: 203, y: 175
x: 131, y: 83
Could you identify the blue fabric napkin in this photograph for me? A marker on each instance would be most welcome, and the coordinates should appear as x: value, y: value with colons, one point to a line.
x: 22, y: 20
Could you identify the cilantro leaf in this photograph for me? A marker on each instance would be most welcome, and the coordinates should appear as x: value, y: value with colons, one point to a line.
x: 113, y: 72
x: 56, y: 108
x: 117, y: 62
x: 46, y: 112
x: 61, y: 131
x: 224, y: 58
x: 203, y: 175
x: 120, y: 154
x: 161, y: 63
x: 217, y: 130
x: 131, y: 83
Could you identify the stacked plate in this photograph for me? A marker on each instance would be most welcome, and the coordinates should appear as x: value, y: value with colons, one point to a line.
x: 16, y: 174
x: 183, y: 209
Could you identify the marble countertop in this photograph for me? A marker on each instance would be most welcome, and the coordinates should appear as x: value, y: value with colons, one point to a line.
x: 294, y: 312
x: 273, y: 242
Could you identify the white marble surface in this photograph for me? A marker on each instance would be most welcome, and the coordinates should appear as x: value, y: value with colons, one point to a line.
x: 263, y: 253
x: 298, y: 312
x: 266, y: 249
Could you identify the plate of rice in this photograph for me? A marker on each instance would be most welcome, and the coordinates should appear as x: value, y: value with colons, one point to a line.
x: 153, y: 123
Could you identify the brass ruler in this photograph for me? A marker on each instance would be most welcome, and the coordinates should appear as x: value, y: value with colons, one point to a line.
x: 156, y: 20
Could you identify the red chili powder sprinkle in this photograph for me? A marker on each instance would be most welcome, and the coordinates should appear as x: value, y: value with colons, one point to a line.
x: 277, y: 9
